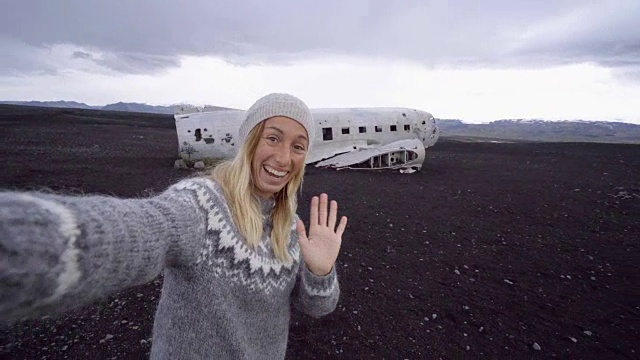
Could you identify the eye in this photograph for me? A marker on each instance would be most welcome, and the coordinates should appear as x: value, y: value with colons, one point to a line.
x: 299, y: 148
x: 272, y: 138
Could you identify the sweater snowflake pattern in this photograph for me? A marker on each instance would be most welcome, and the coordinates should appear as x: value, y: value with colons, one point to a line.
x: 220, y: 298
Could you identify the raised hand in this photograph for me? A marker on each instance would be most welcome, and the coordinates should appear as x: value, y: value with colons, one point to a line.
x: 320, y: 250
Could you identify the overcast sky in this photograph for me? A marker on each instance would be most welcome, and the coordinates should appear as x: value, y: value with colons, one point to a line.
x: 473, y: 60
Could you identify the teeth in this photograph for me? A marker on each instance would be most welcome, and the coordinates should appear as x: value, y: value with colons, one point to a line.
x: 275, y: 172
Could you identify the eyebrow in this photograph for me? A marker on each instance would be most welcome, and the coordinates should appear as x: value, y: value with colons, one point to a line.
x: 282, y: 132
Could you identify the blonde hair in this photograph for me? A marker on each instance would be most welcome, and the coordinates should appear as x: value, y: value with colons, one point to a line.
x: 236, y: 179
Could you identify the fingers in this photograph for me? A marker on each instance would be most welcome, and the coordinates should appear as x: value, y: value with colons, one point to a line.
x: 313, y: 212
x: 341, y: 226
x: 324, y: 199
x: 323, y: 213
x: 333, y: 214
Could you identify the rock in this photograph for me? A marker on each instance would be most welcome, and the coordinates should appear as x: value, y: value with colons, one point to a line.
x: 587, y: 332
x: 180, y: 164
x: 199, y: 165
x: 536, y: 347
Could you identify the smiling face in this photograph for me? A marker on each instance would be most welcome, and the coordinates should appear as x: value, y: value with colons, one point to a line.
x: 279, y: 155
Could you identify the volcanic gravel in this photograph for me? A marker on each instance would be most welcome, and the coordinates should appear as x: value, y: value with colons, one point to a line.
x: 493, y: 250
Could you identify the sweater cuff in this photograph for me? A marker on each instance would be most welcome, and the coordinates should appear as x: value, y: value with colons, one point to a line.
x: 316, y: 285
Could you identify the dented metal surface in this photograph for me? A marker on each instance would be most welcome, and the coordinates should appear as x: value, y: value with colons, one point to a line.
x: 388, y: 138
x: 409, y: 153
x: 206, y: 135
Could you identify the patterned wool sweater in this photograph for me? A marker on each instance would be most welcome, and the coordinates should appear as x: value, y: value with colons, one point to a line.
x: 220, y: 299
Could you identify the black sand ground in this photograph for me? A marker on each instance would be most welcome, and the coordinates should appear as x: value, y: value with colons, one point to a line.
x: 490, y: 249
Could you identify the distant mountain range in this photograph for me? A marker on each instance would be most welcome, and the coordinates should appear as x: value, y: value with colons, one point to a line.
x: 119, y: 106
x: 542, y: 130
x: 509, y: 129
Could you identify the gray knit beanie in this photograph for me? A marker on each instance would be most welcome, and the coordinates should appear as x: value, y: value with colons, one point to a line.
x: 277, y: 105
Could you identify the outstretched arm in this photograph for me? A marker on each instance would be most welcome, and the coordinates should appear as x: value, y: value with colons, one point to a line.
x: 58, y: 252
x: 319, y: 289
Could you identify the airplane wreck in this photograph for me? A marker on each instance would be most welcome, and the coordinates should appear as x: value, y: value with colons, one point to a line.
x: 347, y: 138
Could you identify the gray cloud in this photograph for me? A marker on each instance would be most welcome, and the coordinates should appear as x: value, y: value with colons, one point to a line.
x: 81, y: 55
x: 17, y: 59
x: 606, y: 33
x: 138, y: 63
x: 149, y: 36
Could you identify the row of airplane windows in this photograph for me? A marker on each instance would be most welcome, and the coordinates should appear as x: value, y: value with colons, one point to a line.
x: 327, y: 132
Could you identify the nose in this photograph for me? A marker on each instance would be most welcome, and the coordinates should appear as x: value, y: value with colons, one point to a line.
x: 422, y: 126
x: 431, y: 131
x: 283, y: 155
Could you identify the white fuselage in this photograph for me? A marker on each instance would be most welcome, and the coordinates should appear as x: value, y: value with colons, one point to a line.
x: 214, y: 134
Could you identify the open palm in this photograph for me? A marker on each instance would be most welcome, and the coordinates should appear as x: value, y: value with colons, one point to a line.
x: 320, y: 249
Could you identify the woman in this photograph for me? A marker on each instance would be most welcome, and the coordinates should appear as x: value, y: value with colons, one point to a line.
x: 232, y: 250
